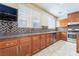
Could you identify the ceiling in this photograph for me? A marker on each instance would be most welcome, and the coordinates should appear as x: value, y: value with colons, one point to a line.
x: 59, y: 9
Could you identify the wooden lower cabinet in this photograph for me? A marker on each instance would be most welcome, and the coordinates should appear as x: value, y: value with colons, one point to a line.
x: 52, y: 38
x: 58, y: 35
x: 77, y: 44
x: 11, y: 51
x: 36, y: 43
x: 48, y: 39
x: 25, y: 46
x: 43, y: 41
x: 63, y: 36
x: 9, y: 48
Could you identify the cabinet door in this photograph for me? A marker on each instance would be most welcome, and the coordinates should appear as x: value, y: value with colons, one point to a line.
x: 74, y: 14
x: 35, y: 43
x: 25, y: 50
x: 43, y: 41
x: 58, y: 36
x: 25, y: 46
x: 77, y: 43
x: 63, y: 22
x: 64, y: 36
x: 9, y: 47
x: 48, y: 39
x: 10, y: 51
x: 76, y: 19
x: 51, y: 38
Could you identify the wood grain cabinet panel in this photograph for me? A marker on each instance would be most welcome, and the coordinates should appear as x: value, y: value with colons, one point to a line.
x: 9, y: 48
x: 11, y: 51
x: 35, y: 43
x: 73, y: 15
x: 52, y: 38
x: 63, y: 22
x: 43, y: 41
x: 8, y: 43
x: 74, y: 19
x: 63, y: 36
x: 58, y: 35
x: 48, y: 39
x: 77, y: 43
x: 25, y: 46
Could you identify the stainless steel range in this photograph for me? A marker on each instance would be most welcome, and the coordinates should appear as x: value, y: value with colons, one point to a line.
x: 73, y: 29
x: 71, y: 37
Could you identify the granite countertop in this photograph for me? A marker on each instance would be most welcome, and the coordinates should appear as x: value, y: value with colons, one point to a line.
x: 11, y: 35
x: 76, y: 33
x: 73, y: 32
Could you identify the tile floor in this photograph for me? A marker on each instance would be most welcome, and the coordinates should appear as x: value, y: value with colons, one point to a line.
x: 60, y: 48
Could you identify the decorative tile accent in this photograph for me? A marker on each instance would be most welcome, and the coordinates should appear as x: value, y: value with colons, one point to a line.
x: 11, y: 26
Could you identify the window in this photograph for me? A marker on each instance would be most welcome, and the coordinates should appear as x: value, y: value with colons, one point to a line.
x: 51, y: 23
x: 36, y: 23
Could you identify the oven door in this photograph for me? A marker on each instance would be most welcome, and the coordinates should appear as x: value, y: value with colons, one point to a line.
x: 71, y: 37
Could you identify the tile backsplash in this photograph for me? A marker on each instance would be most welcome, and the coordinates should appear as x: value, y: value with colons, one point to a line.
x: 11, y: 26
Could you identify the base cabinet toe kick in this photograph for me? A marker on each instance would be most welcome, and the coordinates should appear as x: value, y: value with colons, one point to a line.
x: 25, y: 45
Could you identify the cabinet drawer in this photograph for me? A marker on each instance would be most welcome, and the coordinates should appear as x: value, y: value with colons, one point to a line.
x: 27, y: 39
x: 8, y: 43
x: 36, y: 37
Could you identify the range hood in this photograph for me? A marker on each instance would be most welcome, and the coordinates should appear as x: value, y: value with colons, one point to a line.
x: 73, y: 23
x: 73, y: 26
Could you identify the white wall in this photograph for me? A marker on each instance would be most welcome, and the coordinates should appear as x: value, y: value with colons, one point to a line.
x: 34, y: 12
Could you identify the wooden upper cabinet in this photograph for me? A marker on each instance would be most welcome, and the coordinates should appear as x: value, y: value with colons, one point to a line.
x: 73, y: 15
x: 74, y: 19
x: 63, y: 22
